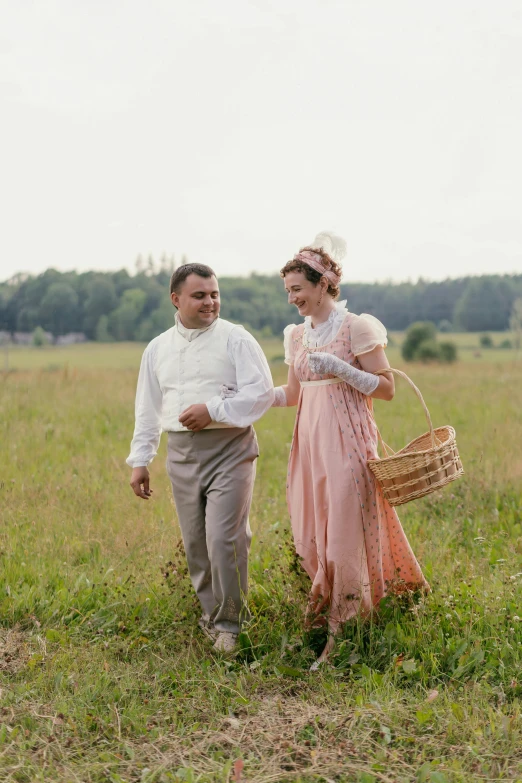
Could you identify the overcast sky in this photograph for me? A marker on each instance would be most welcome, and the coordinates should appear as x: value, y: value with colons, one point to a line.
x: 234, y: 131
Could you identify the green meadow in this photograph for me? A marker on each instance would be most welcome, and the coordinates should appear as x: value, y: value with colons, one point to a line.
x: 121, y: 356
x: 104, y: 677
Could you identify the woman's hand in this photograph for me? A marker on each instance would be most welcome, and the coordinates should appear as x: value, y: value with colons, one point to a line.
x: 288, y: 395
x: 228, y: 390
x: 322, y: 363
x: 328, y: 364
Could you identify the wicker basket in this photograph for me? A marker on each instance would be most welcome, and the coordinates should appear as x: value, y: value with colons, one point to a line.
x: 424, y: 465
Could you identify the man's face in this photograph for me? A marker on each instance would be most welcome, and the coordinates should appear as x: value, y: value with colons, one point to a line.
x: 197, y: 301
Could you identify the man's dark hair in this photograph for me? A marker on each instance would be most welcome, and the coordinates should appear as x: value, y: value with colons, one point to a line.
x: 181, y: 274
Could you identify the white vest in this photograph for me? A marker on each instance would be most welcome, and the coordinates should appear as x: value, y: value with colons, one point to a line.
x: 191, y: 372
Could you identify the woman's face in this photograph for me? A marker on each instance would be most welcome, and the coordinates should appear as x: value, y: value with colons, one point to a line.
x: 302, y: 293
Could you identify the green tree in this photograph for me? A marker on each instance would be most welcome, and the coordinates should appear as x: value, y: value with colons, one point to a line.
x: 427, y: 351
x: 39, y: 338
x: 418, y: 333
x: 159, y: 321
x: 485, y: 305
x: 4, y: 309
x: 59, y: 309
x: 123, y: 322
x: 102, y: 333
x: 448, y: 351
x: 515, y: 322
x: 101, y: 300
x: 27, y: 319
x: 167, y: 265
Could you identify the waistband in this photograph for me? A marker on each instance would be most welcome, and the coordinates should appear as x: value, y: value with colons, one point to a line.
x: 214, y: 425
x: 222, y: 430
x: 325, y: 382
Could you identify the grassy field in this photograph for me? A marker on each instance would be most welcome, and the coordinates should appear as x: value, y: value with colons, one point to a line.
x: 90, y: 356
x: 104, y: 677
x: 127, y: 355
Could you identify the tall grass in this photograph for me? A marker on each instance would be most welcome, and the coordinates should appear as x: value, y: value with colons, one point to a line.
x: 105, y: 677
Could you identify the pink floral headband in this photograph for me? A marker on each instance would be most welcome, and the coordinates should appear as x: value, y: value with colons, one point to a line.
x: 317, y: 262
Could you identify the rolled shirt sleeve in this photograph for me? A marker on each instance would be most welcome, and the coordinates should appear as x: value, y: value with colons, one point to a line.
x: 255, y: 393
x: 147, y: 429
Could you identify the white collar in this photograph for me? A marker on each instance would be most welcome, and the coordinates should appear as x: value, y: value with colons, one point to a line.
x: 191, y: 334
x: 340, y: 309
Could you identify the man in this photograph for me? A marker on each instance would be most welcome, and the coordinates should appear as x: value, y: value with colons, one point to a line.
x: 212, y: 446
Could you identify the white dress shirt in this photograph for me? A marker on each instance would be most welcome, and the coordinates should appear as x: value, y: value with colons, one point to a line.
x: 255, y: 393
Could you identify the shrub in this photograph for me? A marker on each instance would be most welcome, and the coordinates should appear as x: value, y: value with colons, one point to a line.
x: 448, y: 352
x: 420, y: 344
x: 427, y: 351
x: 486, y: 341
x: 418, y: 333
x: 39, y: 338
x: 506, y: 345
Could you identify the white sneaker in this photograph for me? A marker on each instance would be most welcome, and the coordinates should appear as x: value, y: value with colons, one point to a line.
x: 208, y: 627
x: 226, y: 642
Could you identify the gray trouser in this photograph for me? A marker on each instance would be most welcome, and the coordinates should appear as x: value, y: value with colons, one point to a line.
x: 212, y: 474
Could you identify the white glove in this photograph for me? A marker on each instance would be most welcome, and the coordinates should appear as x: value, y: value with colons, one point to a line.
x: 280, y: 400
x: 228, y: 390
x: 327, y: 364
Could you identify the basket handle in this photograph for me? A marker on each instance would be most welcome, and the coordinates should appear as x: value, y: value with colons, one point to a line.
x: 387, y: 450
x: 419, y: 395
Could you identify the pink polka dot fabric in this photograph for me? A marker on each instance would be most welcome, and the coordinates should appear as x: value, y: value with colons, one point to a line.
x: 350, y: 539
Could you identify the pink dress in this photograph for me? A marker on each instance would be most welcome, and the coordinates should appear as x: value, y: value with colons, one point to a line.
x: 350, y: 539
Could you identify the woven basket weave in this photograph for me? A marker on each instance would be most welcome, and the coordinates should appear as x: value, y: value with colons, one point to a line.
x: 427, y: 463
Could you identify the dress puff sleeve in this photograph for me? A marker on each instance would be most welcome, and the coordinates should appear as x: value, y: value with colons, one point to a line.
x: 367, y: 333
x: 289, y: 344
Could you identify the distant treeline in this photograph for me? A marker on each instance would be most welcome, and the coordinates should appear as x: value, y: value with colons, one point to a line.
x: 109, y: 306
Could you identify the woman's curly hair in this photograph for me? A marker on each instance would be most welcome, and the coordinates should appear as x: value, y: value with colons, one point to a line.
x: 295, y: 265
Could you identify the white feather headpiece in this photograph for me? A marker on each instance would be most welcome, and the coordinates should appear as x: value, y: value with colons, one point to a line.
x: 332, y: 244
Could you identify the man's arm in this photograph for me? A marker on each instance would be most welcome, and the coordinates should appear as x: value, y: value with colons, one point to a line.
x: 255, y: 388
x: 147, y: 430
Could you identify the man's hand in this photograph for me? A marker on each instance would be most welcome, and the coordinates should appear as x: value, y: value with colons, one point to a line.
x: 140, y: 482
x: 195, y: 418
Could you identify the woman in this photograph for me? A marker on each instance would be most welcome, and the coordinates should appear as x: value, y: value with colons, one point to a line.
x: 350, y: 539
